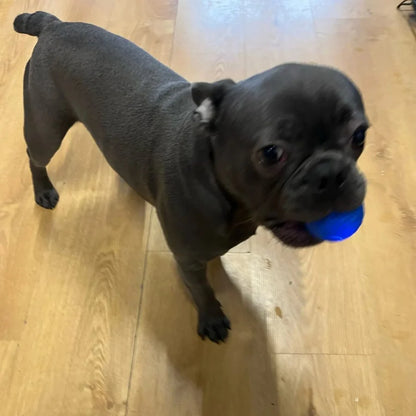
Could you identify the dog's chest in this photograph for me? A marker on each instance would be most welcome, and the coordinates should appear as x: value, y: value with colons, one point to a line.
x: 241, y: 227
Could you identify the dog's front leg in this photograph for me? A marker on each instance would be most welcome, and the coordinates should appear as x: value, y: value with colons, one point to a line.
x: 211, y: 319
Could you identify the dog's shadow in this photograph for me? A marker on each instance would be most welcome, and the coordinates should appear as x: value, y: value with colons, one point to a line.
x: 238, y: 377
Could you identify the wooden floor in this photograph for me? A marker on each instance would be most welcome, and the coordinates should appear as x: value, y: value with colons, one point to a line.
x: 93, y: 318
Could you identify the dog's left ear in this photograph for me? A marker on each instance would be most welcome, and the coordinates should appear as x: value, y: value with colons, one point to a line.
x: 208, y: 98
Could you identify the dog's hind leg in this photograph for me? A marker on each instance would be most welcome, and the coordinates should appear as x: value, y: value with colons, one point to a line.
x: 47, y: 119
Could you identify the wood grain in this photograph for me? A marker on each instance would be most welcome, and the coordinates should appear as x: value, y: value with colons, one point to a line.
x: 93, y: 317
x: 308, y: 387
x: 70, y: 287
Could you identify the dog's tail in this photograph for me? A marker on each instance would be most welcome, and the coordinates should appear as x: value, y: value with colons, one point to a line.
x: 33, y: 23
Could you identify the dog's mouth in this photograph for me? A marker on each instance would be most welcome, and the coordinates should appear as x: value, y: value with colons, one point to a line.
x: 293, y: 234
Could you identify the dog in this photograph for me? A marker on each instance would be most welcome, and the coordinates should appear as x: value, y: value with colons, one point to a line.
x: 217, y: 160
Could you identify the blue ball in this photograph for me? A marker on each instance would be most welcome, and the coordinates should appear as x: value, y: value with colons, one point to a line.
x: 337, y: 226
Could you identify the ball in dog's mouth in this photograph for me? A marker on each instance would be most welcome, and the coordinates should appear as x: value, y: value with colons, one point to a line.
x: 294, y: 234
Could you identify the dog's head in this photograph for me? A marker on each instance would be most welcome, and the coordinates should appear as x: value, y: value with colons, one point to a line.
x: 285, y: 144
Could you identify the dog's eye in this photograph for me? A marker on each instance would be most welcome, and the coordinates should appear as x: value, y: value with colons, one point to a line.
x: 271, y: 154
x: 358, y: 138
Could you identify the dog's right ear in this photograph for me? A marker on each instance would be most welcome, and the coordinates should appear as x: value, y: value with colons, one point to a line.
x: 208, y: 97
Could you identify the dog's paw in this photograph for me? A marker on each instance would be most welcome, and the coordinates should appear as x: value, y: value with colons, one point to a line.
x: 215, y: 326
x: 47, y: 198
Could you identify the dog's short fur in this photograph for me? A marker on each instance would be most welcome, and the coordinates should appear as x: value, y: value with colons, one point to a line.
x: 216, y: 159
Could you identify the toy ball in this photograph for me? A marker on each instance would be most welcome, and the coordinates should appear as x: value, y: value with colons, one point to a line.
x: 337, y: 226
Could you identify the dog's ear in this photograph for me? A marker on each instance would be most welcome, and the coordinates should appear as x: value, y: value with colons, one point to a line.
x: 208, y: 98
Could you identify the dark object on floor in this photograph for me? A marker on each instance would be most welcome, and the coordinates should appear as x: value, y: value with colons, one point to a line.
x: 407, y: 3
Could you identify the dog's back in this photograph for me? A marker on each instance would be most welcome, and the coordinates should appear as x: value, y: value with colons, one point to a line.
x: 126, y: 98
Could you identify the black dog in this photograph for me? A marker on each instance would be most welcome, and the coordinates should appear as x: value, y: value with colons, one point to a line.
x: 217, y: 160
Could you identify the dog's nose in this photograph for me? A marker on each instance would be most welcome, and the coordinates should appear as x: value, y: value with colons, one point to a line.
x: 327, y: 177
